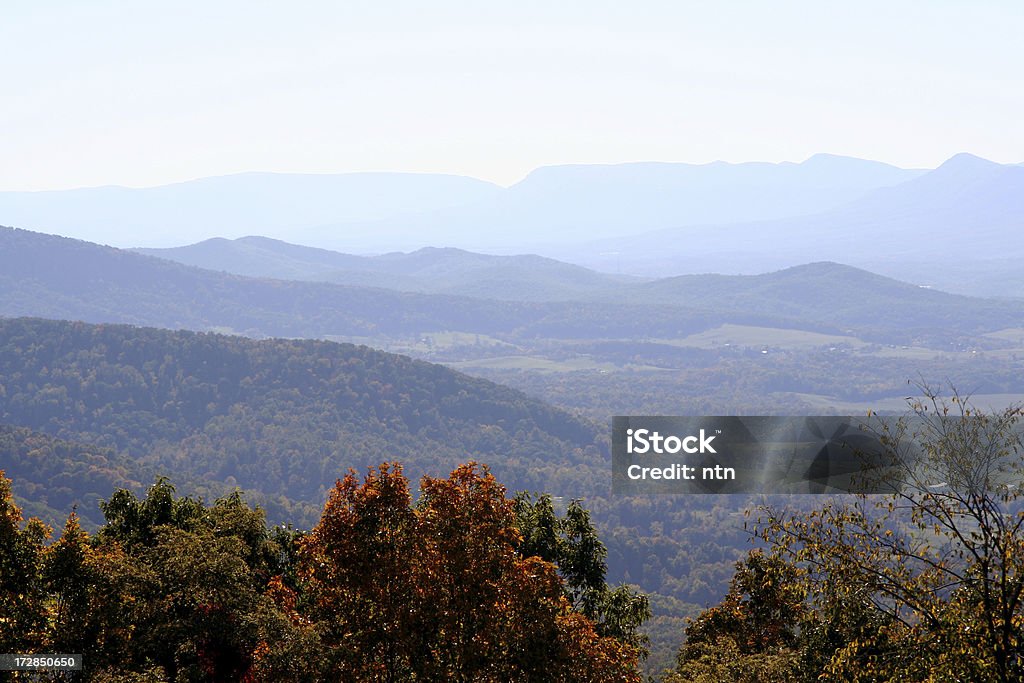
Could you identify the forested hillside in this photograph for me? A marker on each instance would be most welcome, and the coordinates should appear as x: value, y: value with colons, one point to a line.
x: 113, y: 406
x: 281, y: 418
x: 55, y: 476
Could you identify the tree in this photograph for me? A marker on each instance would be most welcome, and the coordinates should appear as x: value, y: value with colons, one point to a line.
x: 22, y: 611
x: 926, y: 583
x: 438, y: 591
x: 572, y: 544
x: 67, y: 574
x: 752, y: 635
x: 133, y: 522
x: 359, y: 568
x: 170, y: 586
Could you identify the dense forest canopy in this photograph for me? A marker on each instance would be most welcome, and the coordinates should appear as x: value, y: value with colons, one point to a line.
x: 171, y: 589
x: 278, y: 417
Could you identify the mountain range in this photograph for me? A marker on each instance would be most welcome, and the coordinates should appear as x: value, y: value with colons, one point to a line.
x: 56, y: 277
x: 958, y: 227
x: 428, y: 270
x: 375, y: 212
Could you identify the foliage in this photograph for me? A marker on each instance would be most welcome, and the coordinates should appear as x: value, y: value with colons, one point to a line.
x: 571, y: 543
x: 923, y: 584
x: 56, y: 475
x: 173, y: 589
x: 438, y: 591
x: 752, y: 635
x: 276, y: 417
x: 22, y: 618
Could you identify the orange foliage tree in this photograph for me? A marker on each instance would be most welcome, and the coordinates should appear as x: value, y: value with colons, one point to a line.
x: 438, y: 591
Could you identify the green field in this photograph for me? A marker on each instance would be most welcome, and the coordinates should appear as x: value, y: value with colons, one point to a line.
x: 754, y: 337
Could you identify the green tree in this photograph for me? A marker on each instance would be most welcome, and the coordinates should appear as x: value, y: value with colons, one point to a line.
x: 67, y: 575
x: 752, y: 636
x: 133, y: 522
x: 572, y: 544
x: 183, y: 588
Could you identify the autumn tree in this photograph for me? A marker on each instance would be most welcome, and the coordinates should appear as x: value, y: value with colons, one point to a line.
x: 439, y: 591
x: 359, y: 568
x: 926, y: 583
x: 22, y: 610
x: 382, y: 589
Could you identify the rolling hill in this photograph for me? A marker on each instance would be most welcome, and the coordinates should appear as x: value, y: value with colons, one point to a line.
x: 54, y: 277
x: 836, y: 294
x: 279, y: 418
x: 428, y: 270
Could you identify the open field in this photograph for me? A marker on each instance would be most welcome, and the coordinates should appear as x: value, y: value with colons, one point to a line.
x: 753, y: 336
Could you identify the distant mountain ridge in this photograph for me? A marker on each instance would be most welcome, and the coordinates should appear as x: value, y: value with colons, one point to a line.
x: 560, y: 205
x: 958, y: 227
x: 427, y: 270
x: 821, y: 291
x: 834, y: 293
x: 44, y: 275
x: 234, y: 205
x: 375, y: 212
x: 57, y: 277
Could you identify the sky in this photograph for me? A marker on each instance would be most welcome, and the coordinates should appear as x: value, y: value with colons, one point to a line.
x: 111, y: 92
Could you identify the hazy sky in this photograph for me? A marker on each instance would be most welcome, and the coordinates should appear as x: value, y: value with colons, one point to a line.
x: 144, y: 93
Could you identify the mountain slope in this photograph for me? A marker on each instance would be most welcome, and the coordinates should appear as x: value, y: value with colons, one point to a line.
x: 836, y: 294
x: 55, y: 476
x: 281, y: 418
x: 42, y: 275
x: 55, y: 277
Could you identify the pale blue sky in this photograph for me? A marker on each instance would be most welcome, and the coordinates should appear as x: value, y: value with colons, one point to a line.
x: 145, y: 93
